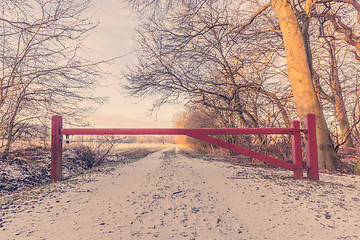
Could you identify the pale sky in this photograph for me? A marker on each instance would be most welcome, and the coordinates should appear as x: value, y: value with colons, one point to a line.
x: 114, y: 37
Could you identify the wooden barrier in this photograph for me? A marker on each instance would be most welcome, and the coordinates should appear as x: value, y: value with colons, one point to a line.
x: 203, y: 134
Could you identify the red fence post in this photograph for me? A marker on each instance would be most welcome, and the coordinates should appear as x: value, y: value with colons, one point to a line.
x: 296, y: 150
x: 56, y: 148
x: 312, y: 166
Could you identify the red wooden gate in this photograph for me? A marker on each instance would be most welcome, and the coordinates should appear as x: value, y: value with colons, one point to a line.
x: 203, y: 134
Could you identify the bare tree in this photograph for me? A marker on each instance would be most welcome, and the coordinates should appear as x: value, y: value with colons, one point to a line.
x: 44, y: 71
x: 256, y: 29
x: 196, y: 55
x: 203, y: 117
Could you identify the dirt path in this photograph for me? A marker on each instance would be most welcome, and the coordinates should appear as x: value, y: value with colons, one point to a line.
x: 169, y: 196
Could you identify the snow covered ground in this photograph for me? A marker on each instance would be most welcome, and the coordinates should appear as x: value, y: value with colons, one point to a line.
x: 169, y: 196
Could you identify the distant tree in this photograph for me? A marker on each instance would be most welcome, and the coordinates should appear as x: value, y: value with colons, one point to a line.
x: 44, y: 69
x: 202, y: 117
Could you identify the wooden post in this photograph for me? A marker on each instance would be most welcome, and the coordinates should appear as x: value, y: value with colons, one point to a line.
x: 56, y: 148
x: 296, y: 150
x: 312, y: 166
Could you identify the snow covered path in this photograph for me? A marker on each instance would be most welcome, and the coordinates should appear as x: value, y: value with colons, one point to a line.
x: 168, y: 196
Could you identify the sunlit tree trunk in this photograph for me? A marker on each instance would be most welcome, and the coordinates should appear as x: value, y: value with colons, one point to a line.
x: 340, y: 109
x: 299, y: 75
x: 337, y: 98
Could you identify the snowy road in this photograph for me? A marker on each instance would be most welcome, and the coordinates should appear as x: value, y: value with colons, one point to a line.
x: 169, y: 196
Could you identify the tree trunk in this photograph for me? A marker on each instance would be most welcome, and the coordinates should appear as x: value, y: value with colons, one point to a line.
x: 340, y: 109
x: 10, y: 128
x: 337, y: 100
x: 299, y: 74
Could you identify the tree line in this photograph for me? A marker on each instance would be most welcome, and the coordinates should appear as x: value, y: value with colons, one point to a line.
x: 255, y: 63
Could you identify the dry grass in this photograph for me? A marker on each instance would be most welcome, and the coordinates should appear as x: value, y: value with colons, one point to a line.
x: 349, y: 156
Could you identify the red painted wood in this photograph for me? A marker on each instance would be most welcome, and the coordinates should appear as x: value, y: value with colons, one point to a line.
x: 243, y: 151
x: 176, y: 131
x: 296, y: 150
x: 312, y: 166
x: 202, y: 134
x: 56, y: 149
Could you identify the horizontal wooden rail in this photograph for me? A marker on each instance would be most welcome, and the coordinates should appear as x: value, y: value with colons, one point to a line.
x: 176, y: 131
x: 203, y: 134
